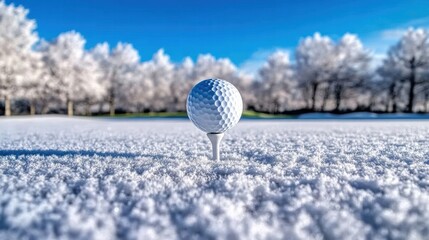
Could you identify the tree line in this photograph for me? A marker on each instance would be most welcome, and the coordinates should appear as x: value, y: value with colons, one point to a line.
x: 323, y: 75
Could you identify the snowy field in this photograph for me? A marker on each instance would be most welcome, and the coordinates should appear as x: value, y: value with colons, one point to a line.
x: 153, y: 179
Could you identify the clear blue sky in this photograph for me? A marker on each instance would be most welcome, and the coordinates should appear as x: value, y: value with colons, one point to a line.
x: 244, y: 31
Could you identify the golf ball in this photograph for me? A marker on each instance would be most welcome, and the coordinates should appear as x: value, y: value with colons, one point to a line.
x: 214, y: 105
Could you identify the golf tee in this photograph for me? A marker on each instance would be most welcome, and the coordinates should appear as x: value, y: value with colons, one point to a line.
x: 215, y: 139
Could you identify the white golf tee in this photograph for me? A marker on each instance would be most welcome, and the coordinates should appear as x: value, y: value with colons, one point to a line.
x: 215, y: 139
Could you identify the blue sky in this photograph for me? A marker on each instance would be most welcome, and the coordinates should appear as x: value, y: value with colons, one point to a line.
x: 244, y: 31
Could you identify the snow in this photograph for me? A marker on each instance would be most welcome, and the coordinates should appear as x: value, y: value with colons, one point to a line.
x: 79, y: 178
x: 364, y: 115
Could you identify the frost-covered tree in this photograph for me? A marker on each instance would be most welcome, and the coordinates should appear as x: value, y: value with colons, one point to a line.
x: 351, y: 69
x: 245, y: 83
x: 184, y: 79
x: 17, y: 36
x: 160, y: 70
x: 207, y: 66
x: 391, y: 84
x: 338, y: 68
x: 328, y: 74
x: 406, y: 64
x: 139, y: 90
x: 74, y: 72
x: 315, y: 62
x: 117, y: 67
x: 94, y: 88
x: 277, y: 82
x: 36, y: 87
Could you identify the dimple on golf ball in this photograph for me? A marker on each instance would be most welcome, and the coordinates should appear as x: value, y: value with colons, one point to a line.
x: 214, y: 105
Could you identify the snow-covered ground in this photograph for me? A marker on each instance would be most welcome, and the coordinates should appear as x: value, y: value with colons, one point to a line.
x: 364, y: 115
x: 105, y: 179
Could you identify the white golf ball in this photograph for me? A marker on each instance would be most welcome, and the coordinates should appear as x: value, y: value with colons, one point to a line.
x: 214, y: 105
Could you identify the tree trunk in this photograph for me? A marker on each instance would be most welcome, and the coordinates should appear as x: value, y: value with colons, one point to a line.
x: 100, y: 107
x: 88, y: 109
x: 45, y: 108
x: 69, y: 108
x: 325, y: 98
x: 371, y: 102
x: 426, y: 101
x: 412, y: 86
x: 392, y: 97
x: 7, y: 111
x: 32, y: 109
x: 276, y: 106
x: 112, y: 106
x: 387, y: 106
x: 426, y: 105
x: 411, y: 96
x: 313, y: 96
x: 338, y: 93
x: 394, y: 105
